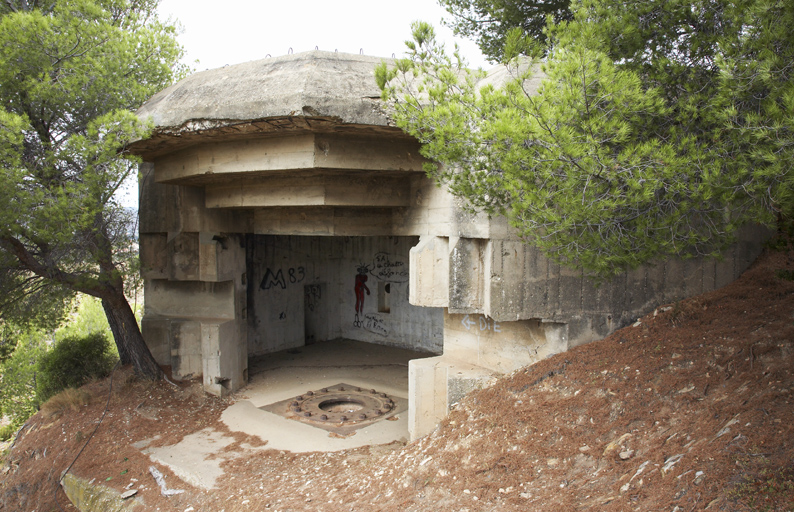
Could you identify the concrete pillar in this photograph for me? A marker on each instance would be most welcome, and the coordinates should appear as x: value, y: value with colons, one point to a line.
x: 429, y: 278
x: 435, y: 384
x: 427, y: 397
x: 157, y: 333
x: 467, y: 275
x: 195, y: 306
x: 186, y: 353
x: 224, y: 363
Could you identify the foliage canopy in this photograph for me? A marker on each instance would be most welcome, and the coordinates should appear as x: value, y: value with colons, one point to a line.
x: 489, y: 22
x: 659, y: 128
x: 71, y: 72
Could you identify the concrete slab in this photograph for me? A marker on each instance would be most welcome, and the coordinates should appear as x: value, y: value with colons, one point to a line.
x: 290, y: 373
x: 197, y: 458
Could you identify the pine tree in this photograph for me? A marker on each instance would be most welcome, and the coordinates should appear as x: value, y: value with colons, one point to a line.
x: 71, y: 72
x: 659, y: 129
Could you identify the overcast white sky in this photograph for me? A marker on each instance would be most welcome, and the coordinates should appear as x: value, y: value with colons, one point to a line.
x: 234, y: 31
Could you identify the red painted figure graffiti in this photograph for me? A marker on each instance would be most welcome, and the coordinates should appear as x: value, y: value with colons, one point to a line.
x: 361, y: 286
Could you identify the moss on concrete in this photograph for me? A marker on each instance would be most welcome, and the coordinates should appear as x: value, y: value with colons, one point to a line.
x: 88, y: 497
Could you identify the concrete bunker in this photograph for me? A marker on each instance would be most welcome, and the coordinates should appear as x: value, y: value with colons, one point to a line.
x: 280, y: 208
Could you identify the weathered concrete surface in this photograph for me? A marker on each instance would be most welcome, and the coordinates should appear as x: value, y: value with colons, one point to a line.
x: 305, y: 91
x: 429, y: 277
x: 435, y: 385
x: 292, y: 373
x: 326, y: 221
x: 507, y: 280
x: 89, y: 497
x: 315, y: 83
x: 274, y: 188
x: 198, y: 457
x: 348, y: 190
x: 501, y: 347
x: 286, y: 153
x: 173, y: 209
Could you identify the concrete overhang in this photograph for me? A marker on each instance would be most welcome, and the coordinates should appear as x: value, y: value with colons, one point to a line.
x: 311, y: 92
x: 305, y: 130
x: 308, y: 92
x: 274, y: 156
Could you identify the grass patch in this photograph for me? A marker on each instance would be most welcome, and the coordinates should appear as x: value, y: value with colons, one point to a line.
x: 8, y: 431
x: 70, y: 399
x: 785, y: 274
x: 769, y: 490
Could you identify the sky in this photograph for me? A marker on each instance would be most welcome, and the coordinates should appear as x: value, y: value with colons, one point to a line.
x: 235, y: 31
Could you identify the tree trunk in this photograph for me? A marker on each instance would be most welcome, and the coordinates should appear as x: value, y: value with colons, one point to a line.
x: 129, y: 340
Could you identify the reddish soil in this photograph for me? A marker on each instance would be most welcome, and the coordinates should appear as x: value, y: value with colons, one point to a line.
x: 689, y: 410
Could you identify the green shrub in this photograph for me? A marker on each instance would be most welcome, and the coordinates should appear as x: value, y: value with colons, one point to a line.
x: 8, y: 431
x: 18, y: 379
x: 72, y: 362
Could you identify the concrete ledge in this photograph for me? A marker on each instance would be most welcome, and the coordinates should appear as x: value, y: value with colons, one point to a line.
x: 87, y: 497
x: 502, y: 347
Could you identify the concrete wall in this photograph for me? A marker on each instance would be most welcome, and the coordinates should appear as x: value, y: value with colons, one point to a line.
x: 507, y: 281
x: 305, y: 288
x: 194, y: 273
x: 501, y: 347
x: 176, y: 209
x: 508, y: 306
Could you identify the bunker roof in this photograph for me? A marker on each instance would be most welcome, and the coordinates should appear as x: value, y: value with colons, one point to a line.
x: 310, y: 91
x: 314, y: 83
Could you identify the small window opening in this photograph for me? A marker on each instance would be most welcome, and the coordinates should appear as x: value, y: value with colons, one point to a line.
x: 384, y: 301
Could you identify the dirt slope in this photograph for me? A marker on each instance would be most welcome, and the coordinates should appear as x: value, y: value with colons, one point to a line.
x: 688, y: 410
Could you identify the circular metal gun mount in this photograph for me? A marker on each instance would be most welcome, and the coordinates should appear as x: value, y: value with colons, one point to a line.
x: 341, y: 405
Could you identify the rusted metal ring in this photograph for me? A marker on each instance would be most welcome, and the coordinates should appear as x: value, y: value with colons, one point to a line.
x: 341, y: 405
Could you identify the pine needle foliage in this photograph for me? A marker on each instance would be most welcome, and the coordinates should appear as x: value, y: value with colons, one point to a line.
x: 660, y: 128
x: 71, y: 74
